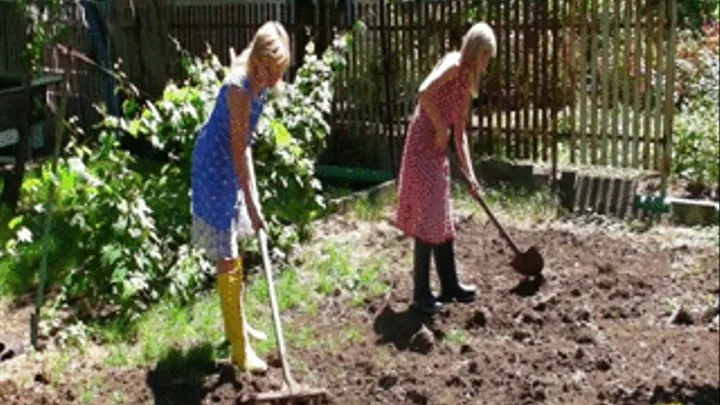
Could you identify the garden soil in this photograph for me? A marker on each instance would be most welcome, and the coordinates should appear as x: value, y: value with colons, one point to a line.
x: 616, y: 320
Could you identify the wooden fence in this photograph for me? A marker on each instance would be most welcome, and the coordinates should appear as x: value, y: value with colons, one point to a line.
x: 88, y: 85
x: 12, y: 39
x: 227, y: 23
x: 582, y: 82
x: 574, y: 81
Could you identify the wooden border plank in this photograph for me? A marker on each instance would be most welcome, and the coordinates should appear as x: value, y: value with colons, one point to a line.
x: 605, y: 86
x: 583, y: 129
x: 669, y: 102
x: 594, y: 84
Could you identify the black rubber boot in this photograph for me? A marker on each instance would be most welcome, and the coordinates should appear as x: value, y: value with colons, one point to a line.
x: 422, y: 296
x: 447, y: 272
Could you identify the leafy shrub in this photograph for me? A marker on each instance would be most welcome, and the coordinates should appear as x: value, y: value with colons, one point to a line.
x: 696, y: 139
x: 125, y: 222
x: 291, y: 136
x: 693, y: 13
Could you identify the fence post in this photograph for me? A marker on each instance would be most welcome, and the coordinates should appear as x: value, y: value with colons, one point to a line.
x: 387, y: 73
x: 305, y: 14
x: 669, y: 88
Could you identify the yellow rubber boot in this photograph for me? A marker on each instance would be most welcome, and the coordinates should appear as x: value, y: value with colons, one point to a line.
x: 230, y: 286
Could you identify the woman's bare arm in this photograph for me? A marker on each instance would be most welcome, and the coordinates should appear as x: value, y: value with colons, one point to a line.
x: 462, y: 148
x: 239, y: 103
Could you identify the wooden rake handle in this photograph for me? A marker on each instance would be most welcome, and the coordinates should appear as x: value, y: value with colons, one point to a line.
x: 289, y: 381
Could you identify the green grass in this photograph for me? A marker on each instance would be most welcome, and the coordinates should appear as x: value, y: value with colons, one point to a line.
x: 301, y: 336
x: 371, y: 285
x: 332, y: 192
x: 119, y: 398
x: 92, y: 390
x: 513, y: 202
x: 169, y: 326
x: 59, y: 362
x: 334, y: 271
x: 288, y: 288
x: 457, y: 337
x: 371, y: 208
x: 119, y: 355
x: 354, y: 335
x: 166, y: 326
x: 335, y: 274
x: 169, y: 331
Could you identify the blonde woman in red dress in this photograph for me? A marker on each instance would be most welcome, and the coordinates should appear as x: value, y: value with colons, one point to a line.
x: 424, y: 210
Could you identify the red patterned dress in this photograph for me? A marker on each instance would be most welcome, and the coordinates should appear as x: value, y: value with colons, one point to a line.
x: 424, y: 210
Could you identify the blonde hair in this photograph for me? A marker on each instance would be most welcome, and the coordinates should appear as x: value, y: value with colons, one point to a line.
x: 479, y: 39
x: 270, y: 44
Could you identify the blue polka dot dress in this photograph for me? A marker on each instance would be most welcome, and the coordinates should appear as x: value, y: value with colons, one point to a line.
x: 219, y: 211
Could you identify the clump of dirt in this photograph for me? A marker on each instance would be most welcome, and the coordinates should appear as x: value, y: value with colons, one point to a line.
x: 422, y: 341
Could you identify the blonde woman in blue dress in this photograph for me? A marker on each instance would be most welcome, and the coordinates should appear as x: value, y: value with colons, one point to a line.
x: 225, y: 203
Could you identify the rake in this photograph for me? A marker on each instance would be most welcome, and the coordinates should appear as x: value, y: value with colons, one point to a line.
x: 291, y: 391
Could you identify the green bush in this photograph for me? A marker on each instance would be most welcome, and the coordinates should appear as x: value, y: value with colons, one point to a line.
x: 696, y: 134
x: 291, y: 136
x: 693, y: 13
x: 122, y: 225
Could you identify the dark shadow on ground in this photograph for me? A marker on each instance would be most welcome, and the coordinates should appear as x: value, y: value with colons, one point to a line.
x: 673, y: 393
x: 686, y: 394
x: 179, y: 377
x: 528, y: 287
x: 399, y: 327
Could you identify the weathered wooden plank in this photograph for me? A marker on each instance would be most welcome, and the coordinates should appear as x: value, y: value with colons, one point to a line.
x: 669, y: 107
x: 592, y: 202
x: 605, y: 86
x: 659, y: 87
x: 571, y: 53
x: 594, y: 51
x: 555, y: 89
x: 627, y: 99
x: 603, y: 196
x: 506, y: 94
x: 517, y: 82
x: 582, y: 82
x: 544, y: 79
x: 614, y: 196
x: 536, y: 83
x: 648, y: 81
x: 637, y: 81
x: 617, y: 52
x: 394, y: 39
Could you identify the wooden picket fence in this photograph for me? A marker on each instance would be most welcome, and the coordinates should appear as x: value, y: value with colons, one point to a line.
x: 574, y: 81
x: 12, y: 39
x: 226, y: 23
x: 580, y: 82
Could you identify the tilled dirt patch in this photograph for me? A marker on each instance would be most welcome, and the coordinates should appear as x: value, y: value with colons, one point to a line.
x: 614, y: 321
